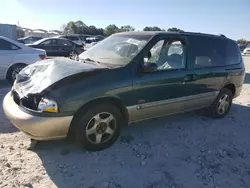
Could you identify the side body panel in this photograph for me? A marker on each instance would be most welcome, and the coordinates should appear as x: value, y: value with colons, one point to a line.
x: 168, y: 92
x: 6, y: 57
x: 111, y: 83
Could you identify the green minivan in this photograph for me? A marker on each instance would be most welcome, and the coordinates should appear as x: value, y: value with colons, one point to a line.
x: 125, y: 78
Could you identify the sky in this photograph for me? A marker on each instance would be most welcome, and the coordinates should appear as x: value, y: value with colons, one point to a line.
x: 228, y: 17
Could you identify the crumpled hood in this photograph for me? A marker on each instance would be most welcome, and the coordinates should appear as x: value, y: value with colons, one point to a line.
x: 42, y: 74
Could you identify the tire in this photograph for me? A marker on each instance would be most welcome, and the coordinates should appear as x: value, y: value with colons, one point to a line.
x: 13, y: 71
x: 219, y: 109
x: 91, y: 131
x: 73, y: 55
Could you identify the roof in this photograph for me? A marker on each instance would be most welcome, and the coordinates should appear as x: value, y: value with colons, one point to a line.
x: 12, y: 41
x: 152, y: 33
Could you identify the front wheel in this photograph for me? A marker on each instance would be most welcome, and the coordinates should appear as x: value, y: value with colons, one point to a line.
x: 222, y: 104
x: 99, y: 127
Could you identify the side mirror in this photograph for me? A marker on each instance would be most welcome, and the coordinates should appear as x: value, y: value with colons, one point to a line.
x: 149, y: 67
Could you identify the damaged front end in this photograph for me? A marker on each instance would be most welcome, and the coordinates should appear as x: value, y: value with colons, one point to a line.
x: 31, y: 101
x: 30, y: 83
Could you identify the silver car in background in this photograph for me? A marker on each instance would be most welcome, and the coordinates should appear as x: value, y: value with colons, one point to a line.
x: 14, y: 56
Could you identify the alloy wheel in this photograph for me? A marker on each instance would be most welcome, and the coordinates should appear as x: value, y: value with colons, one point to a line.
x: 101, y: 128
x: 223, y: 104
x: 15, y: 72
x: 73, y: 55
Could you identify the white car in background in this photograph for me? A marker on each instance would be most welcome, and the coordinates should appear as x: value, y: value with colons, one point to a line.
x: 246, y: 51
x: 14, y: 56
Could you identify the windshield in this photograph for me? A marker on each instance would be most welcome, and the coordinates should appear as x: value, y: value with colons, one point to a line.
x: 39, y: 41
x: 116, y: 49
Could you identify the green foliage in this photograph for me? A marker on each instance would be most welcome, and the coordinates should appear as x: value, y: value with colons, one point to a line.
x: 174, y: 29
x: 147, y: 28
x: 243, y: 41
x: 78, y: 27
x: 127, y: 28
x: 111, y: 29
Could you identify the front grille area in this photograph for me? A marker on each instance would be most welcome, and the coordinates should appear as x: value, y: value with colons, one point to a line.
x: 29, y: 102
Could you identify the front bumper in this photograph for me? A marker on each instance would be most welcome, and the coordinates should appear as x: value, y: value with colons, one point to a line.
x: 36, y: 127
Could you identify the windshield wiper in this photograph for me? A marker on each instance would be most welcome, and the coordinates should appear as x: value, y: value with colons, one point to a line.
x: 91, y: 60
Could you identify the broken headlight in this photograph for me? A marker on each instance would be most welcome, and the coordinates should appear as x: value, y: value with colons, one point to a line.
x: 47, y: 105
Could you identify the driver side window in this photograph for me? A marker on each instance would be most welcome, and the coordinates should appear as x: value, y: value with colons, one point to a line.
x: 167, y: 54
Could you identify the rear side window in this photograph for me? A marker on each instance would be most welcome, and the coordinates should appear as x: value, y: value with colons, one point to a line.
x: 233, y: 53
x: 5, y: 45
x: 64, y: 42
x: 208, y: 52
x: 50, y: 42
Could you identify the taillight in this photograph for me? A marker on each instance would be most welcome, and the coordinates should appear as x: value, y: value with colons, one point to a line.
x: 42, y: 56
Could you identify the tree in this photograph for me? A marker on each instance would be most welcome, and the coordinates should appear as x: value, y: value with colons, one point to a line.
x: 174, y: 29
x: 71, y: 28
x: 127, y: 28
x: 81, y: 27
x: 147, y: 28
x: 243, y: 41
x: 79, y: 23
x: 100, y: 31
x: 111, y: 29
x: 93, y: 30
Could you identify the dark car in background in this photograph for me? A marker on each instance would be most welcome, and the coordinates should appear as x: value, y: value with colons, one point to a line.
x: 29, y: 39
x: 72, y: 38
x: 58, y: 47
x: 127, y: 77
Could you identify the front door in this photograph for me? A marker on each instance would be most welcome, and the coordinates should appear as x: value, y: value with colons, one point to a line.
x: 167, y: 90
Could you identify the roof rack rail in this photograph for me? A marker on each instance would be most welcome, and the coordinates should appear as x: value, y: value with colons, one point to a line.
x: 221, y: 35
x: 199, y: 33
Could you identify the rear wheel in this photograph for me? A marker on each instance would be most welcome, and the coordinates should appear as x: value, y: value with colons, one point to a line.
x: 13, y: 71
x: 222, y: 104
x: 99, y: 127
x: 73, y: 55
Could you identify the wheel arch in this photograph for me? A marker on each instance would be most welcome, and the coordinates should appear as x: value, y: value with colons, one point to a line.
x: 231, y: 87
x: 11, y: 66
x: 111, y: 100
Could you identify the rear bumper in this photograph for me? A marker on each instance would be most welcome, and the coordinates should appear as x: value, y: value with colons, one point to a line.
x: 36, y: 127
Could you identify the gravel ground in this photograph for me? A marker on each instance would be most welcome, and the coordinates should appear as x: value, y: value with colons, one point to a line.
x: 186, y: 150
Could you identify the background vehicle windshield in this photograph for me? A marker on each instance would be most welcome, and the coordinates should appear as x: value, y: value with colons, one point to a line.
x: 40, y: 41
x: 116, y: 49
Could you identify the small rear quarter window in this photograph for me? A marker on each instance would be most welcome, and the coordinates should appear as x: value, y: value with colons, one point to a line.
x: 233, y: 53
